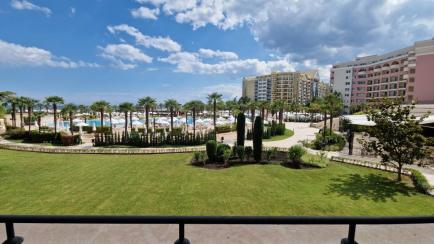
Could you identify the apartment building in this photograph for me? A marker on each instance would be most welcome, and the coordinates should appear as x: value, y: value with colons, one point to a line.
x: 406, y: 73
x: 294, y: 87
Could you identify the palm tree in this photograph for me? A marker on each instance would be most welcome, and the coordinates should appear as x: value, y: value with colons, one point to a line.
x: 194, y: 106
x: 263, y: 105
x: 100, y: 106
x: 39, y: 115
x: 314, y: 107
x: 148, y: 103
x: 70, y: 109
x: 84, y: 110
x: 172, y: 105
x: 243, y: 104
x: 279, y: 105
x: 230, y: 104
x: 21, y: 104
x: 334, y: 104
x: 30, y: 103
x: 110, y: 110
x: 54, y: 101
x: 125, y: 108
x: 213, y: 99
x: 9, y: 97
x: 253, y: 105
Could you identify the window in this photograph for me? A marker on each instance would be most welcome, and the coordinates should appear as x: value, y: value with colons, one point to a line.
x: 347, y: 83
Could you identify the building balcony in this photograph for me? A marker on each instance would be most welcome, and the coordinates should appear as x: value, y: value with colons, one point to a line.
x: 362, y: 72
x: 411, y: 58
x: 412, y: 65
x: 395, y: 66
x: 377, y: 70
x: 405, y: 76
x: 385, y: 68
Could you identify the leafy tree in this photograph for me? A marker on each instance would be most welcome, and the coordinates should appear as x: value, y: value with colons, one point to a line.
x: 39, y: 114
x: 334, y: 105
x: 241, y: 129
x: 230, y: 105
x: 398, y: 135
x: 172, y: 105
x: 70, y: 109
x: 101, y: 107
x: 257, y: 139
x: 280, y: 105
x: 84, y: 110
x: 243, y: 104
x: 213, y: 99
x: 54, y: 101
x: 253, y: 105
x: 263, y: 105
x: 147, y: 103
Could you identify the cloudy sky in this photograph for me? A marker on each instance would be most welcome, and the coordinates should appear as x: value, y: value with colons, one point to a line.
x: 86, y: 50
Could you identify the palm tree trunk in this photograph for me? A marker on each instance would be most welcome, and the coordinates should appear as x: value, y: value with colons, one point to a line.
x: 147, y: 117
x: 325, y: 124
x: 126, y: 125
x: 194, y: 123
x: 214, y: 118
x: 21, y: 117
x: 131, y: 121
x: 55, y: 117
x: 39, y: 124
x: 186, y: 120
x: 70, y: 123
x: 171, y: 119
x: 102, y: 118
x: 29, y: 114
x: 281, y: 115
x: 252, y: 115
x: 14, y: 114
x: 111, y: 124
x: 331, y: 121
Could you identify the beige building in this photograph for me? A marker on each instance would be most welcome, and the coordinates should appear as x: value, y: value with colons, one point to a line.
x: 294, y: 87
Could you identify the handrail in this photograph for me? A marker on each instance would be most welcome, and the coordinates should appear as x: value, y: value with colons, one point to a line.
x: 9, y: 220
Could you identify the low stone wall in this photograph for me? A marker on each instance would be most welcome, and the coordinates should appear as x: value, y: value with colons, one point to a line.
x: 96, y: 150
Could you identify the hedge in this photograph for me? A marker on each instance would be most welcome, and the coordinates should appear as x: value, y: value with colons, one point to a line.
x: 420, y: 182
x: 241, y: 129
x: 225, y: 128
x: 43, y: 137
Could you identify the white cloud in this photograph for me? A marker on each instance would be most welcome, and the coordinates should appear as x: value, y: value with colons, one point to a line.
x: 119, y: 54
x: 188, y: 62
x: 72, y: 11
x: 16, y: 55
x: 145, y: 13
x: 208, y: 53
x: 26, y: 5
x: 161, y: 43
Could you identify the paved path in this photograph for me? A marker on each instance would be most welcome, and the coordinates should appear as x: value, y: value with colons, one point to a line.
x: 95, y: 234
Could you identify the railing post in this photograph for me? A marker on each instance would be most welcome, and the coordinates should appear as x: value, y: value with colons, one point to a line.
x: 351, y: 235
x: 10, y: 235
x: 181, y: 238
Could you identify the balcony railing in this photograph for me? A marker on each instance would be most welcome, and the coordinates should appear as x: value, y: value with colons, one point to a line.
x: 181, y: 221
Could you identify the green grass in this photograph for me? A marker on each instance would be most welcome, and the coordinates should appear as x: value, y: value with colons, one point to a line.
x: 288, y: 134
x: 36, y: 183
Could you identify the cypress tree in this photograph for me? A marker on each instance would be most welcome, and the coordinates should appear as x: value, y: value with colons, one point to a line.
x: 241, y: 129
x: 257, y: 139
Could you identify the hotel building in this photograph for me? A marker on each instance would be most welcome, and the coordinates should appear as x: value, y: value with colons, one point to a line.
x: 407, y: 73
x: 294, y: 87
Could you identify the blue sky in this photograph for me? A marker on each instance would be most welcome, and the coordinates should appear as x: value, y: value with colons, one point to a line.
x: 122, y: 50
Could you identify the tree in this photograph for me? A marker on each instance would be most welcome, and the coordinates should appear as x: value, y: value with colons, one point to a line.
x: 30, y: 103
x: 313, y: 108
x: 334, y: 105
x: 257, y: 139
x: 213, y: 99
x: 39, y: 114
x: 398, y: 135
x: 263, y: 105
x: 100, y: 106
x: 110, y: 110
x: 194, y: 106
x: 230, y: 105
x: 70, y: 109
x: 125, y: 108
x: 84, y: 110
x: 280, y: 105
x: 172, y: 105
x: 21, y: 104
x: 253, y: 105
x: 8, y: 97
x: 241, y: 129
x: 54, y: 101
x: 147, y: 103
x: 243, y: 104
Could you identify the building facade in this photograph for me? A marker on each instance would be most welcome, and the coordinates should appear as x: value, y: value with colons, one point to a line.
x: 406, y: 73
x: 293, y: 87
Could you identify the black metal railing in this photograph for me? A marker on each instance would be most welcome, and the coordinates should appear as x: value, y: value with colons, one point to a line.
x: 10, y: 220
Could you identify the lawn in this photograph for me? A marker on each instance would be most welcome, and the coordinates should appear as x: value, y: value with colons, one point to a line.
x: 288, y: 133
x: 36, y: 183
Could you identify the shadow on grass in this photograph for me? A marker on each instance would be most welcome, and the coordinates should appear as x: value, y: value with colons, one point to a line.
x: 373, y: 187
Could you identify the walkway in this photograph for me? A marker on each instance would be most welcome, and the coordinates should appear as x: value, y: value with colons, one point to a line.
x: 95, y: 234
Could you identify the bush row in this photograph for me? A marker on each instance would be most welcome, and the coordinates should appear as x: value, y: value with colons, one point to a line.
x: 43, y: 137
x: 225, y: 128
x: 275, y: 129
x: 139, y: 139
x: 420, y: 182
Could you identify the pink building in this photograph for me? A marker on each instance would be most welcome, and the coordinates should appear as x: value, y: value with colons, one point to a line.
x: 407, y: 73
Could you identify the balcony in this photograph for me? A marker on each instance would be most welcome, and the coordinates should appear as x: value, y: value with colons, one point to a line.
x: 377, y: 70
x: 395, y: 66
x: 405, y: 76
x: 385, y: 68
x: 412, y: 65
x: 411, y: 58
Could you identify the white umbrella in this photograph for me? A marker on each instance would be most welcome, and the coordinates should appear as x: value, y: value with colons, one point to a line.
x: 76, y: 120
x: 82, y: 124
x: 137, y: 123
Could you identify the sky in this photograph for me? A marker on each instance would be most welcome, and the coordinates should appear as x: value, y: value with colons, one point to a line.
x: 88, y: 50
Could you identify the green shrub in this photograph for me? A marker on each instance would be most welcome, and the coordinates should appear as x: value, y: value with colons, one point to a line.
x: 317, y: 161
x: 269, y: 154
x: 211, y: 150
x: 241, y: 152
x: 226, y: 155
x: 257, y: 139
x: 196, y: 156
x: 332, y: 141
x: 104, y: 129
x: 295, y: 153
x: 70, y: 140
x: 420, y: 182
x: 241, y: 129
x: 221, y: 148
x: 2, y: 112
x: 248, y: 151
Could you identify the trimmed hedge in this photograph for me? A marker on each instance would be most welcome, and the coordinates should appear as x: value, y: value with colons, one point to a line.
x: 225, y: 128
x: 211, y: 150
x: 257, y: 139
x: 43, y: 137
x: 241, y: 129
x: 420, y: 182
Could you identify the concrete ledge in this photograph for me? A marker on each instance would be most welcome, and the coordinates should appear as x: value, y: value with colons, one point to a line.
x: 369, y: 164
x: 95, y: 150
